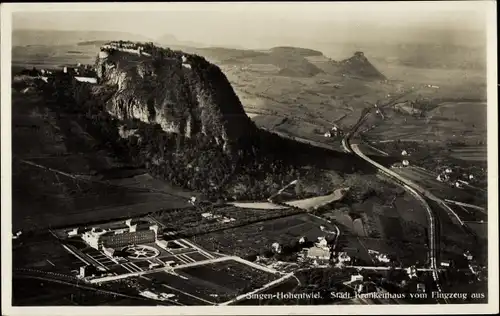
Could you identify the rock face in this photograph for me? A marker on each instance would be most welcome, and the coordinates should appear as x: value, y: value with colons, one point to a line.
x: 183, y: 93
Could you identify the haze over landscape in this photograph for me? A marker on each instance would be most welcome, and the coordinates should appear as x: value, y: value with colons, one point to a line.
x: 194, y: 154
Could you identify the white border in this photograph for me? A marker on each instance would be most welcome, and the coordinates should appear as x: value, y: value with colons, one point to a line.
x: 491, y: 307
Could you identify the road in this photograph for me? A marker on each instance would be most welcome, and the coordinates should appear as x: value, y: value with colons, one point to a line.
x: 408, y: 185
x: 475, y: 207
x: 387, y: 268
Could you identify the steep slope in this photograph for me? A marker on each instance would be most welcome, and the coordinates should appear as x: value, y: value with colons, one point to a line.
x: 183, y: 93
x: 177, y: 115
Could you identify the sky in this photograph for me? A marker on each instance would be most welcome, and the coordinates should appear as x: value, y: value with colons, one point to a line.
x: 261, y: 24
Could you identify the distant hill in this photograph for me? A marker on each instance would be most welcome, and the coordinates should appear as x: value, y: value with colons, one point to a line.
x: 305, y: 52
x: 290, y: 60
x: 358, y: 66
x: 228, y: 55
x: 28, y: 37
x: 171, y: 40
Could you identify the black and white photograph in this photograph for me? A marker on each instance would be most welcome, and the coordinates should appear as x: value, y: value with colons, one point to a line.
x: 256, y: 157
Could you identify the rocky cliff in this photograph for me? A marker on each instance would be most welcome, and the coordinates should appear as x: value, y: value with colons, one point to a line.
x: 183, y: 93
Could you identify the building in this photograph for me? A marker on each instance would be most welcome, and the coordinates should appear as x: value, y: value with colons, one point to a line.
x: 343, y: 257
x: 356, y: 278
x: 468, y: 255
x: 322, y: 243
x: 406, y: 163
x: 383, y: 258
x: 88, y: 271
x: 103, y: 55
x: 302, y: 240
x: 192, y: 200
x: 153, y: 265
x: 442, y: 178
x: 110, y: 252
x: 474, y: 269
x: 318, y: 253
x: 276, y: 247
x: 328, y: 134
x: 17, y: 235
x: 412, y: 272
x: 404, y: 153
x: 132, y: 233
x: 163, y: 244
x: 448, y: 171
x: 445, y: 263
x: 420, y: 288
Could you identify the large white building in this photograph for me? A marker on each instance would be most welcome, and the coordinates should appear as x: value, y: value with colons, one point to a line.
x: 318, y: 253
x: 123, y: 235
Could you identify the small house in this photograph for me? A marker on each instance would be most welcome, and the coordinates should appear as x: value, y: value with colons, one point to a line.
x: 383, y: 258
x: 356, y: 278
x: 344, y: 257
x: 445, y: 263
x: 420, y: 288
x: 110, y: 252
x: 276, y: 247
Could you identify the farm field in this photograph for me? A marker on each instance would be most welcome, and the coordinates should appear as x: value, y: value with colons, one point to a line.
x: 208, y: 285
x: 449, y: 122
x: 470, y: 153
x: 53, y: 56
x: 146, y: 181
x: 440, y: 189
x: 237, y: 277
x: 43, y: 139
x: 257, y: 237
x: 480, y: 229
x: 62, y: 201
x: 45, y: 253
x: 186, y: 219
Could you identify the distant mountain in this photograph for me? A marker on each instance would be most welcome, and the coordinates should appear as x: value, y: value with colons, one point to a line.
x: 28, y: 37
x: 171, y: 40
x: 358, y: 66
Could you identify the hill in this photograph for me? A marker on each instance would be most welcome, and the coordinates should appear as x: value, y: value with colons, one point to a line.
x: 183, y: 93
x: 177, y: 115
x: 357, y: 66
x: 27, y: 37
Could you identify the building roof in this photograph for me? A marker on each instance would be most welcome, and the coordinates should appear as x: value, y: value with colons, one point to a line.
x: 318, y: 252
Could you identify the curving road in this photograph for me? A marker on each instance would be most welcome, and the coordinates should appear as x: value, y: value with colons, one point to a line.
x: 408, y: 185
